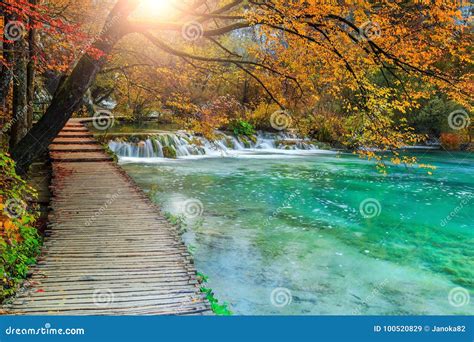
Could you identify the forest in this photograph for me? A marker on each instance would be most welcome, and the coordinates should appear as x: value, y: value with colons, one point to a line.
x: 374, y: 79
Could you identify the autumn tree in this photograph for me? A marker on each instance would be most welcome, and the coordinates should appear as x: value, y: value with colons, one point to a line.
x: 301, y: 51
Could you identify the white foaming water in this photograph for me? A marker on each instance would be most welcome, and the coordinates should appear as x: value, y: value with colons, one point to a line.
x: 187, y: 145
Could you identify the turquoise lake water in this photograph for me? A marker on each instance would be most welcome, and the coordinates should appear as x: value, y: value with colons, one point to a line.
x: 325, y: 234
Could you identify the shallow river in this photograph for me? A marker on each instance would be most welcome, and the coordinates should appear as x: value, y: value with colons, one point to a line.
x: 317, y: 233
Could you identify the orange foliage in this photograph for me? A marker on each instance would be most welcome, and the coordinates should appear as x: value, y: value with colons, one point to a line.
x: 452, y: 141
x: 8, y: 230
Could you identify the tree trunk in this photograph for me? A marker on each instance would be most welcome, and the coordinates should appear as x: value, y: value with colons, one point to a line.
x: 88, y: 102
x: 19, y: 126
x: 245, y: 92
x: 69, y: 96
x: 31, y: 69
x: 6, y: 72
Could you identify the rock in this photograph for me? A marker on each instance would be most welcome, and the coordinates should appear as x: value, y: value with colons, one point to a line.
x: 169, y: 152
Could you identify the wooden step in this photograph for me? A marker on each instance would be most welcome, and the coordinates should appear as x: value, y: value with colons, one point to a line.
x: 76, y: 148
x: 74, y: 125
x: 63, y: 134
x: 79, y: 157
x: 75, y: 129
x: 74, y: 141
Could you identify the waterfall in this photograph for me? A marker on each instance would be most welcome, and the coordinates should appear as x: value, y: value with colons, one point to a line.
x: 184, y: 144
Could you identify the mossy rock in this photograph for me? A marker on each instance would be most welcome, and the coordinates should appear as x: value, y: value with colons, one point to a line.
x: 169, y: 152
x: 196, y: 142
x: 229, y: 143
x: 286, y: 143
x: 187, y: 139
x: 155, y: 145
x: 135, y: 139
x: 244, y: 140
x: 168, y: 140
x: 322, y: 145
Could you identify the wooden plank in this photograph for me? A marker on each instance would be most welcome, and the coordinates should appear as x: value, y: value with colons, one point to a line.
x: 74, y: 141
x: 69, y: 129
x: 79, y: 157
x: 75, y: 134
x: 76, y: 148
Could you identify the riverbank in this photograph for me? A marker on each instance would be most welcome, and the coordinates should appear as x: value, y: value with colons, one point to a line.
x: 24, y: 209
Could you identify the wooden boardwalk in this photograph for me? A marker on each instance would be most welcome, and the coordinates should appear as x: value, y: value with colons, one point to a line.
x: 108, y: 250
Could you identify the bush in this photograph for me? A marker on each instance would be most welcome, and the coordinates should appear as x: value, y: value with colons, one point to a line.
x: 261, y: 116
x: 432, y: 117
x: 323, y: 127
x: 453, y: 141
x: 241, y: 127
x: 19, y: 239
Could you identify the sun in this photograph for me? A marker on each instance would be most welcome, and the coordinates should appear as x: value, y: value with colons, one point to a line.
x: 156, y: 5
x: 155, y: 8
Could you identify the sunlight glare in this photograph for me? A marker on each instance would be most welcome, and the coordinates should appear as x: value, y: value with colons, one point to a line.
x: 155, y: 8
